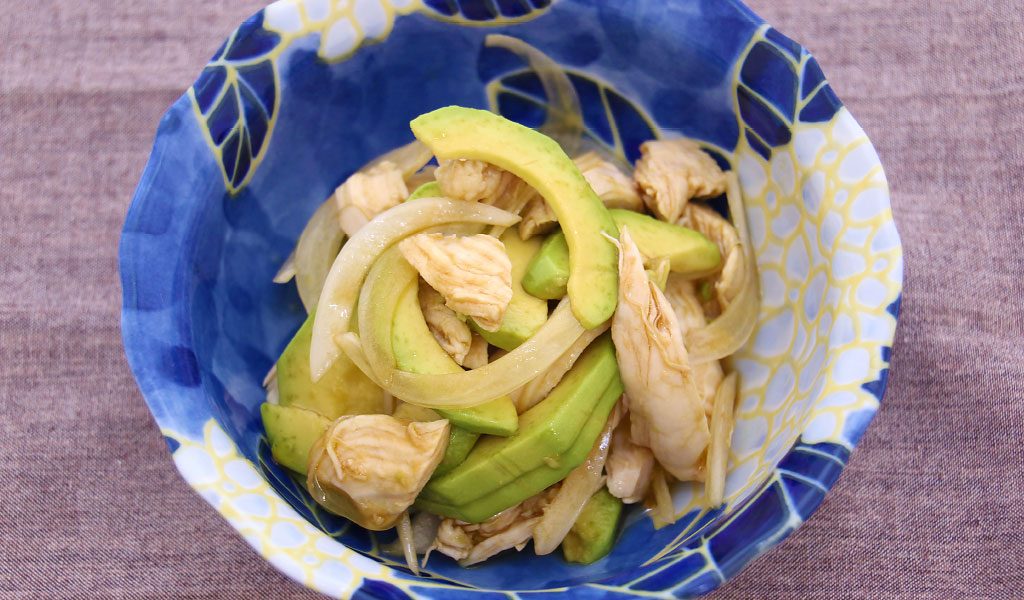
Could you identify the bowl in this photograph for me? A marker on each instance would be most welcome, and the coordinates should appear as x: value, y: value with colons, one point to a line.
x: 306, y: 91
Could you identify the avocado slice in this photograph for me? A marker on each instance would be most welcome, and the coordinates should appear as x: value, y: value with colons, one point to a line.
x: 416, y: 351
x: 593, y: 533
x: 525, y: 314
x: 460, y: 441
x: 689, y: 252
x: 547, y: 275
x: 343, y: 390
x: 430, y: 189
x: 547, y: 437
x: 457, y: 132
x: 552, y: 470
x: 292, y: 432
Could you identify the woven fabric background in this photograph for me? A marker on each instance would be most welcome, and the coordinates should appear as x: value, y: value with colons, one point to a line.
x: 931, y: 506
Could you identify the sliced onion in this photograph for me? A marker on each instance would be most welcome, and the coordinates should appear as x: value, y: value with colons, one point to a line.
x: 564, y: 122
x: 577, y: 488
x: 341, y: 288
x: 731, y: 330
x: 472, y: 388
x: 314, y: 253
x: 664, y: 511
x: 287, y: 270
x: 408, y: 158
x: 406, y: 538
x: 539, y: 387
x: 721, y: 435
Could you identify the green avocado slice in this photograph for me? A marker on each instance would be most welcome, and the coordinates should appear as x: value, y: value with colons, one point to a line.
x: 593, y: 534
x: 552, y: 470
x: 547, y: 275
x: 549, y: 436
x: 343, y: 390
x: 526, y: 313
x: 458, y: 132
x: 292, y: 432
x: 689, y: 252
x: 416, y: 351
x: 430, y: 189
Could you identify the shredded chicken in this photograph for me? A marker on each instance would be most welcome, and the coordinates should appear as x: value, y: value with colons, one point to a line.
x: 451, y: 332
x: 368, y: 193
x: 671, y: 172
x: 538, y: 218
x: 370, y: 468
x: 666, y: 408
x: 720, y: 231
x: 629, y: 466
x: 478, y: 181
x: 473, y: 273
x: 471, y: 543
x: 477, y: 355
x: 690, y: 315
x: 611, y: 185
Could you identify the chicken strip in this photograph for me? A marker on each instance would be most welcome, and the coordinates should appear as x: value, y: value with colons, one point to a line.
x: 720, y: 231
x: 472, y: 272
x: 451, y: 332
x: 368, y: 193
x: 666, y: 408
x: 370, y: 468
x: 478, y: 181
x: 629, y: 466
x: 671, y: 172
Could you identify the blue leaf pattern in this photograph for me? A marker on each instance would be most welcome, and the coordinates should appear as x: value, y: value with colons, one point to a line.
x: 236, y: 96
x: 780, y: 83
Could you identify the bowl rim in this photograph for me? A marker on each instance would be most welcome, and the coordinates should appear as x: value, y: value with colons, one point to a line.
x: 138, y: 349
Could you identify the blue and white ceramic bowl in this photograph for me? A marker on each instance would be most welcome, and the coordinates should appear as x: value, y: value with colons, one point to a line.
x: 305, y: 91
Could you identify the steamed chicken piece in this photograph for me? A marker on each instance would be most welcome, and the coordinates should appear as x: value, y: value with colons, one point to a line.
x: 538, y: 218
x: 666, y: 408
x: 368, y: 193
x: 612, y: 186
x: 370, y: 468
x: 477, y: 355
x: 671, y: 172
x: 471, y: 543
x: 473, y: 273
x: 724, y: 235
x: 451, y: 332
x: 478, y: 181
x: 629, y: 466
x: 690, y: 315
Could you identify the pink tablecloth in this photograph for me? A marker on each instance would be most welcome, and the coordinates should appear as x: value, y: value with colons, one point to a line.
x: 930, y: 507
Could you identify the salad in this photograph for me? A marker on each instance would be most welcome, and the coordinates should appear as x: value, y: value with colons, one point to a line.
x: 514, y: 343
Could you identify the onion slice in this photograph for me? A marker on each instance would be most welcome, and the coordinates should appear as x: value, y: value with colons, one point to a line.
x: 664, y: 511
x: 467, y: 389
x: 539, y: 387
x: 408, y: 542
x: 408, y: 158
x: 341, y: 288
x: 287, y: 270
x: 582, y: 482
x: 564, y: 122
x: 721, y: 433
x: 731, y: 330
x: 314, y: 253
